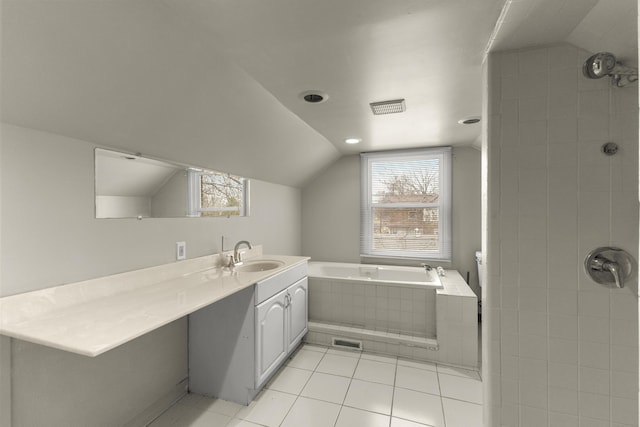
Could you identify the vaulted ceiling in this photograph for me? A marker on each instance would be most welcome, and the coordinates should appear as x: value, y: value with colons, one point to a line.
x: 218, y: 83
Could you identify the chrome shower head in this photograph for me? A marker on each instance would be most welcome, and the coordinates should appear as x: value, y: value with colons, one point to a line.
x: 604, y: 64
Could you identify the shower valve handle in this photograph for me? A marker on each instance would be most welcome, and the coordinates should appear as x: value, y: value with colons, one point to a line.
x: 607, y: 263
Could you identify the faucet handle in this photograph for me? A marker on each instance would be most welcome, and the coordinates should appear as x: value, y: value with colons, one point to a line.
x: 607, y: 263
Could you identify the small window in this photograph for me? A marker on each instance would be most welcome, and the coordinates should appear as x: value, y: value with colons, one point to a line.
x: 217, y: 194
x: 406, y: 204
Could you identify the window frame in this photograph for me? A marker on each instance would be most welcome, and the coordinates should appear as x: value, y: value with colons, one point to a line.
x: 444, y: 240
x: 195, y: 208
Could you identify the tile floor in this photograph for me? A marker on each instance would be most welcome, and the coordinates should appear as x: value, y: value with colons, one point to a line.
x: 320, y: 387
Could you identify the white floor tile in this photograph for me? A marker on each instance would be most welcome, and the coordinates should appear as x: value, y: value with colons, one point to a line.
x: 417, y: 364
x: 306, y: 359
x: 290, y: 380
x: 461, y: 414
x: 269, y: 408
x: 417, y: 379
x: 461, y: 388
x: 345, y: 353
x: 370, y: 396
x: 190, y: 415
x: 376, y: 372
x: 419, y: 407
x: 321, y: 387
x: 171, y: 416
x: 330, y: 388
x: 204, y: 419
x: 241, y: 423
x: 379, y: 358
x: 460, y: 372
x: 337, y: 365
x: 351, y: 417
x: 399, y: 422
x: 210, y: 404
x: 314, y: 347
x: 311, y: 413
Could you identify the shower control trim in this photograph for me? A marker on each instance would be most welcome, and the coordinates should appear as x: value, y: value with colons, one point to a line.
x: 609, y: 266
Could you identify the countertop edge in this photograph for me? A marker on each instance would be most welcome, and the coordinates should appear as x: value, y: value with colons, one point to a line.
x: 176, y: 290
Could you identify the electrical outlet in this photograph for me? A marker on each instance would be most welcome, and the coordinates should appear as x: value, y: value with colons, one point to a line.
x: 181, y: 250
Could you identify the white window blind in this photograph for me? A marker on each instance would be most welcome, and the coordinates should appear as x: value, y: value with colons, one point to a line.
x: 406, y: 204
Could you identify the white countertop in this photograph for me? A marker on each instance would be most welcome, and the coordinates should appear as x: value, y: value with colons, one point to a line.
x: 94, y: 316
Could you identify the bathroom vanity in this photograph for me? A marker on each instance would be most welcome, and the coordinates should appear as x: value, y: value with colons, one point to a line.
x: 236, y: 345
x: 258, y: 314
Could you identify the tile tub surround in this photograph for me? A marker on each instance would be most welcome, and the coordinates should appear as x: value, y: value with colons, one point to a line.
x: 327, y: 387
x: 424, y: 324
x: 94, y: 316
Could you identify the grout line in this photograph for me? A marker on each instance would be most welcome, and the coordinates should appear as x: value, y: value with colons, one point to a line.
x: 351, y: 378
x: 393, y: 393
x: 444, y: 417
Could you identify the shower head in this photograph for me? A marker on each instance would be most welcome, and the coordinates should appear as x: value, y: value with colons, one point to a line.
x: 605, y: 64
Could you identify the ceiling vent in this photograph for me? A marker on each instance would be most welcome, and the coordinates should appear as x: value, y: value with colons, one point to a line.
x: 388, y: 107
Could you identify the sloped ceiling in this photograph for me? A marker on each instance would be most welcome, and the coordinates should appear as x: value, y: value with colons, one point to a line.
x: 127, y: 74
x: 217, y: 83
x: 594, y: 25
x: 428, y: 52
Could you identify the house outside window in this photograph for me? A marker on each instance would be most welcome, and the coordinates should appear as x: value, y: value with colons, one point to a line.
x: 406, y: 204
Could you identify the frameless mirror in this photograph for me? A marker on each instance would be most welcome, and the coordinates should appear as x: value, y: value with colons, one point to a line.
x: 132, y: 186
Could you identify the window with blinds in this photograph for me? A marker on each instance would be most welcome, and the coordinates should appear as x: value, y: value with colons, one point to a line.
x: 406, y: 204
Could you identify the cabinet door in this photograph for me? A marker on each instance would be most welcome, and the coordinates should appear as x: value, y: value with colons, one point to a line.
x: 298, y: 314
x: 271, y: 337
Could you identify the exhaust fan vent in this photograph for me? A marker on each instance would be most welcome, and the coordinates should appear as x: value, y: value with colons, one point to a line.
x: 388, y: 107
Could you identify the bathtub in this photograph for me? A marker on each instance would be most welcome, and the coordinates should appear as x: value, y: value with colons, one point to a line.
x: 372, y: 306
x: 410, y: 277
x: 393, y: 310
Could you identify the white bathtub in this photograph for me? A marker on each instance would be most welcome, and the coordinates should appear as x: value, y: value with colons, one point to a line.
x: 412, y: 277
x: 397, y: 311
x: 375, y: 305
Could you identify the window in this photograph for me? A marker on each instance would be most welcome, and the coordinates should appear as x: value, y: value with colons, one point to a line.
x: 217, y: 194
x: 406, y: 204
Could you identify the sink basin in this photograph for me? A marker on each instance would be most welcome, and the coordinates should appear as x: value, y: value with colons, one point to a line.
x: 254, y: 266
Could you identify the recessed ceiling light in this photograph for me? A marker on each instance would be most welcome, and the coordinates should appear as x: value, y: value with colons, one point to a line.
x: 352, y: 140
x: 314, y: 96
x: 469, y: 120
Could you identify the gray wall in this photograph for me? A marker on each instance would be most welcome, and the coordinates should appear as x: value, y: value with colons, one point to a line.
x: 331, y: 213
x: 172, y: 198
x: 559, y: 348
x: 48, y: 223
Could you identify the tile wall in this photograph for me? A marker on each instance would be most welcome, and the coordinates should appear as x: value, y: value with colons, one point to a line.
x: 563, y: 350
x: 392, y: 309
x: 441, y: 325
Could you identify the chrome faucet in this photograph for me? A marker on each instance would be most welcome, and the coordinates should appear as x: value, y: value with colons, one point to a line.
x: 237, y: 256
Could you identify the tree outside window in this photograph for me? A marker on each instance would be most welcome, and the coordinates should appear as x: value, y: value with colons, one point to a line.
x: 217, y: 194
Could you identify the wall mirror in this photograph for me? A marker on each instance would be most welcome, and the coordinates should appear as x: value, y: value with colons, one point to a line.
x: 133, y: 186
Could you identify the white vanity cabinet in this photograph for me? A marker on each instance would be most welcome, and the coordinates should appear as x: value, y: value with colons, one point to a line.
x: 298, y: 312
x: 281, y: 322
x: 236, y: 344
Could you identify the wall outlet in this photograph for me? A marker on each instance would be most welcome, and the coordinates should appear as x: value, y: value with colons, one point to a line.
x: 181, y: 250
